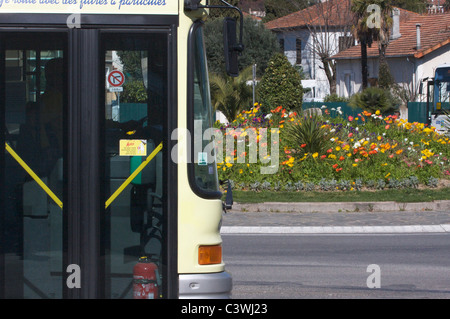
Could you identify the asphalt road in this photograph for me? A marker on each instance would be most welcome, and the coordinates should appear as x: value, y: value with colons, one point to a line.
x: 336, y: 266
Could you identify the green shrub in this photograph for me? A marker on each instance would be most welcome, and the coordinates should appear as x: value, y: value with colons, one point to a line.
x: 309, y: 137
x: 280, y: 85
x: 373, y: 99
x: 335, y: 98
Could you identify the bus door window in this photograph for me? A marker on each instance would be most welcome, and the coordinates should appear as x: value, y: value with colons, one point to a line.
x: 32, y: 222
x: 135, y: 113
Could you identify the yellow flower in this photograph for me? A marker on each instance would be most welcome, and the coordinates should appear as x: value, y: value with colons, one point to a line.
x: 338, y: 148
x: 315, y: 155
x: 241, y: 171
x: 229, y: 164
x: 377, y: 112
x: 354, y: 165
x: 387, y: 175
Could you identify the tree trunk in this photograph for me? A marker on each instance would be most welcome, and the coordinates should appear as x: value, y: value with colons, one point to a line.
x: 364, y: 69
x: 330, y: 71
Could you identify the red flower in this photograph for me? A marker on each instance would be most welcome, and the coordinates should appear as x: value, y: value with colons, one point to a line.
x: 335, y: 165
x: 303, y: 145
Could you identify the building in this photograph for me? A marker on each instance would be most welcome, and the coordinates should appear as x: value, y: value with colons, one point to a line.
x: 418, y: 44
x: 309, y: 37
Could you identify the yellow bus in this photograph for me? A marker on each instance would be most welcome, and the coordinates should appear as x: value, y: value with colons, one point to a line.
x: 100, y: 197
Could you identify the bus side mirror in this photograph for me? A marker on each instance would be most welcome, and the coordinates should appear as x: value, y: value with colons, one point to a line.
x: 231, y: 47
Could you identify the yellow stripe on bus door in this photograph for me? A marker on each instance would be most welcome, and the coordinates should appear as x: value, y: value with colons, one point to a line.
x: 133, y: 176
x: 33, y: 175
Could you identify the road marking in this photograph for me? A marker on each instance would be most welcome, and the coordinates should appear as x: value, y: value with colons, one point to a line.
x: 444, y: 228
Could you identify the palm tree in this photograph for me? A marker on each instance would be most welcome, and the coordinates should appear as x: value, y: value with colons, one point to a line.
x: 230, y: 94
x: 366, y: 34
x: 384, y: 75
x: 363, y: 33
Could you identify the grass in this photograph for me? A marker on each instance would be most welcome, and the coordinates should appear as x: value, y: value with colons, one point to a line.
x: 397, y: 195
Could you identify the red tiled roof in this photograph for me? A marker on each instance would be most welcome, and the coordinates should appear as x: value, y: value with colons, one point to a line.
x: 331, y: 13
x: 434, y: 30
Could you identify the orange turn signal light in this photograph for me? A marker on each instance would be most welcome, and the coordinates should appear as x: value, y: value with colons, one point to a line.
x: 208, y: 255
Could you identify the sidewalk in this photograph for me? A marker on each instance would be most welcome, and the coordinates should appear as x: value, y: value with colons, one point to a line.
x: 358, y: 217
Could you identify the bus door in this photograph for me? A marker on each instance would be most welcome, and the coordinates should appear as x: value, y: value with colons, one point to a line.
x: 84, y: 174
x: 33, y: 103
x: 136, y: 117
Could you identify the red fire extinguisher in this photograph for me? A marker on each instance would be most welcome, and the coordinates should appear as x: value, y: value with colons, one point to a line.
x: 145, y: 284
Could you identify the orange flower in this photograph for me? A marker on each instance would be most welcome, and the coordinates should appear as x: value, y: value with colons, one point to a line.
x: 303, y: 145
x: 339, y: 169
x: 341, y: 158
x: 335, y: 165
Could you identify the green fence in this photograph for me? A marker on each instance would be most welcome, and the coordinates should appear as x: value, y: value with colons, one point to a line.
x: 332, y: 107
x: 417, y: 112
x: 132, y: 111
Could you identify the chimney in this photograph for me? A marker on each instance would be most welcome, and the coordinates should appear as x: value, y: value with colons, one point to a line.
x: 395, y: 34
x: 418, y: 25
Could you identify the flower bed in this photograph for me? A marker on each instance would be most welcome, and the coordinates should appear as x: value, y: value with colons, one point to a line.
x: 324, y: 152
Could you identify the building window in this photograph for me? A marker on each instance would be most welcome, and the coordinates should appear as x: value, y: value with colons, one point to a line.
x: 298, y: 48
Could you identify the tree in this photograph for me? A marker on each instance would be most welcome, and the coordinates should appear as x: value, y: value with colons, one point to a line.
x: 220, y: 13
x: 363, y: 32
x: 324, y: 33
x: 418, y: 6
x: 372, y: 22
x: 385, y: 79
x: 231, y: 94
x: 447, y: 5
x: 279, y: 8
x: 280, y: 85
x: 260, y: 44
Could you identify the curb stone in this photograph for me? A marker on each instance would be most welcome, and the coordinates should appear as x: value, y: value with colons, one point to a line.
x: 330, y: 207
